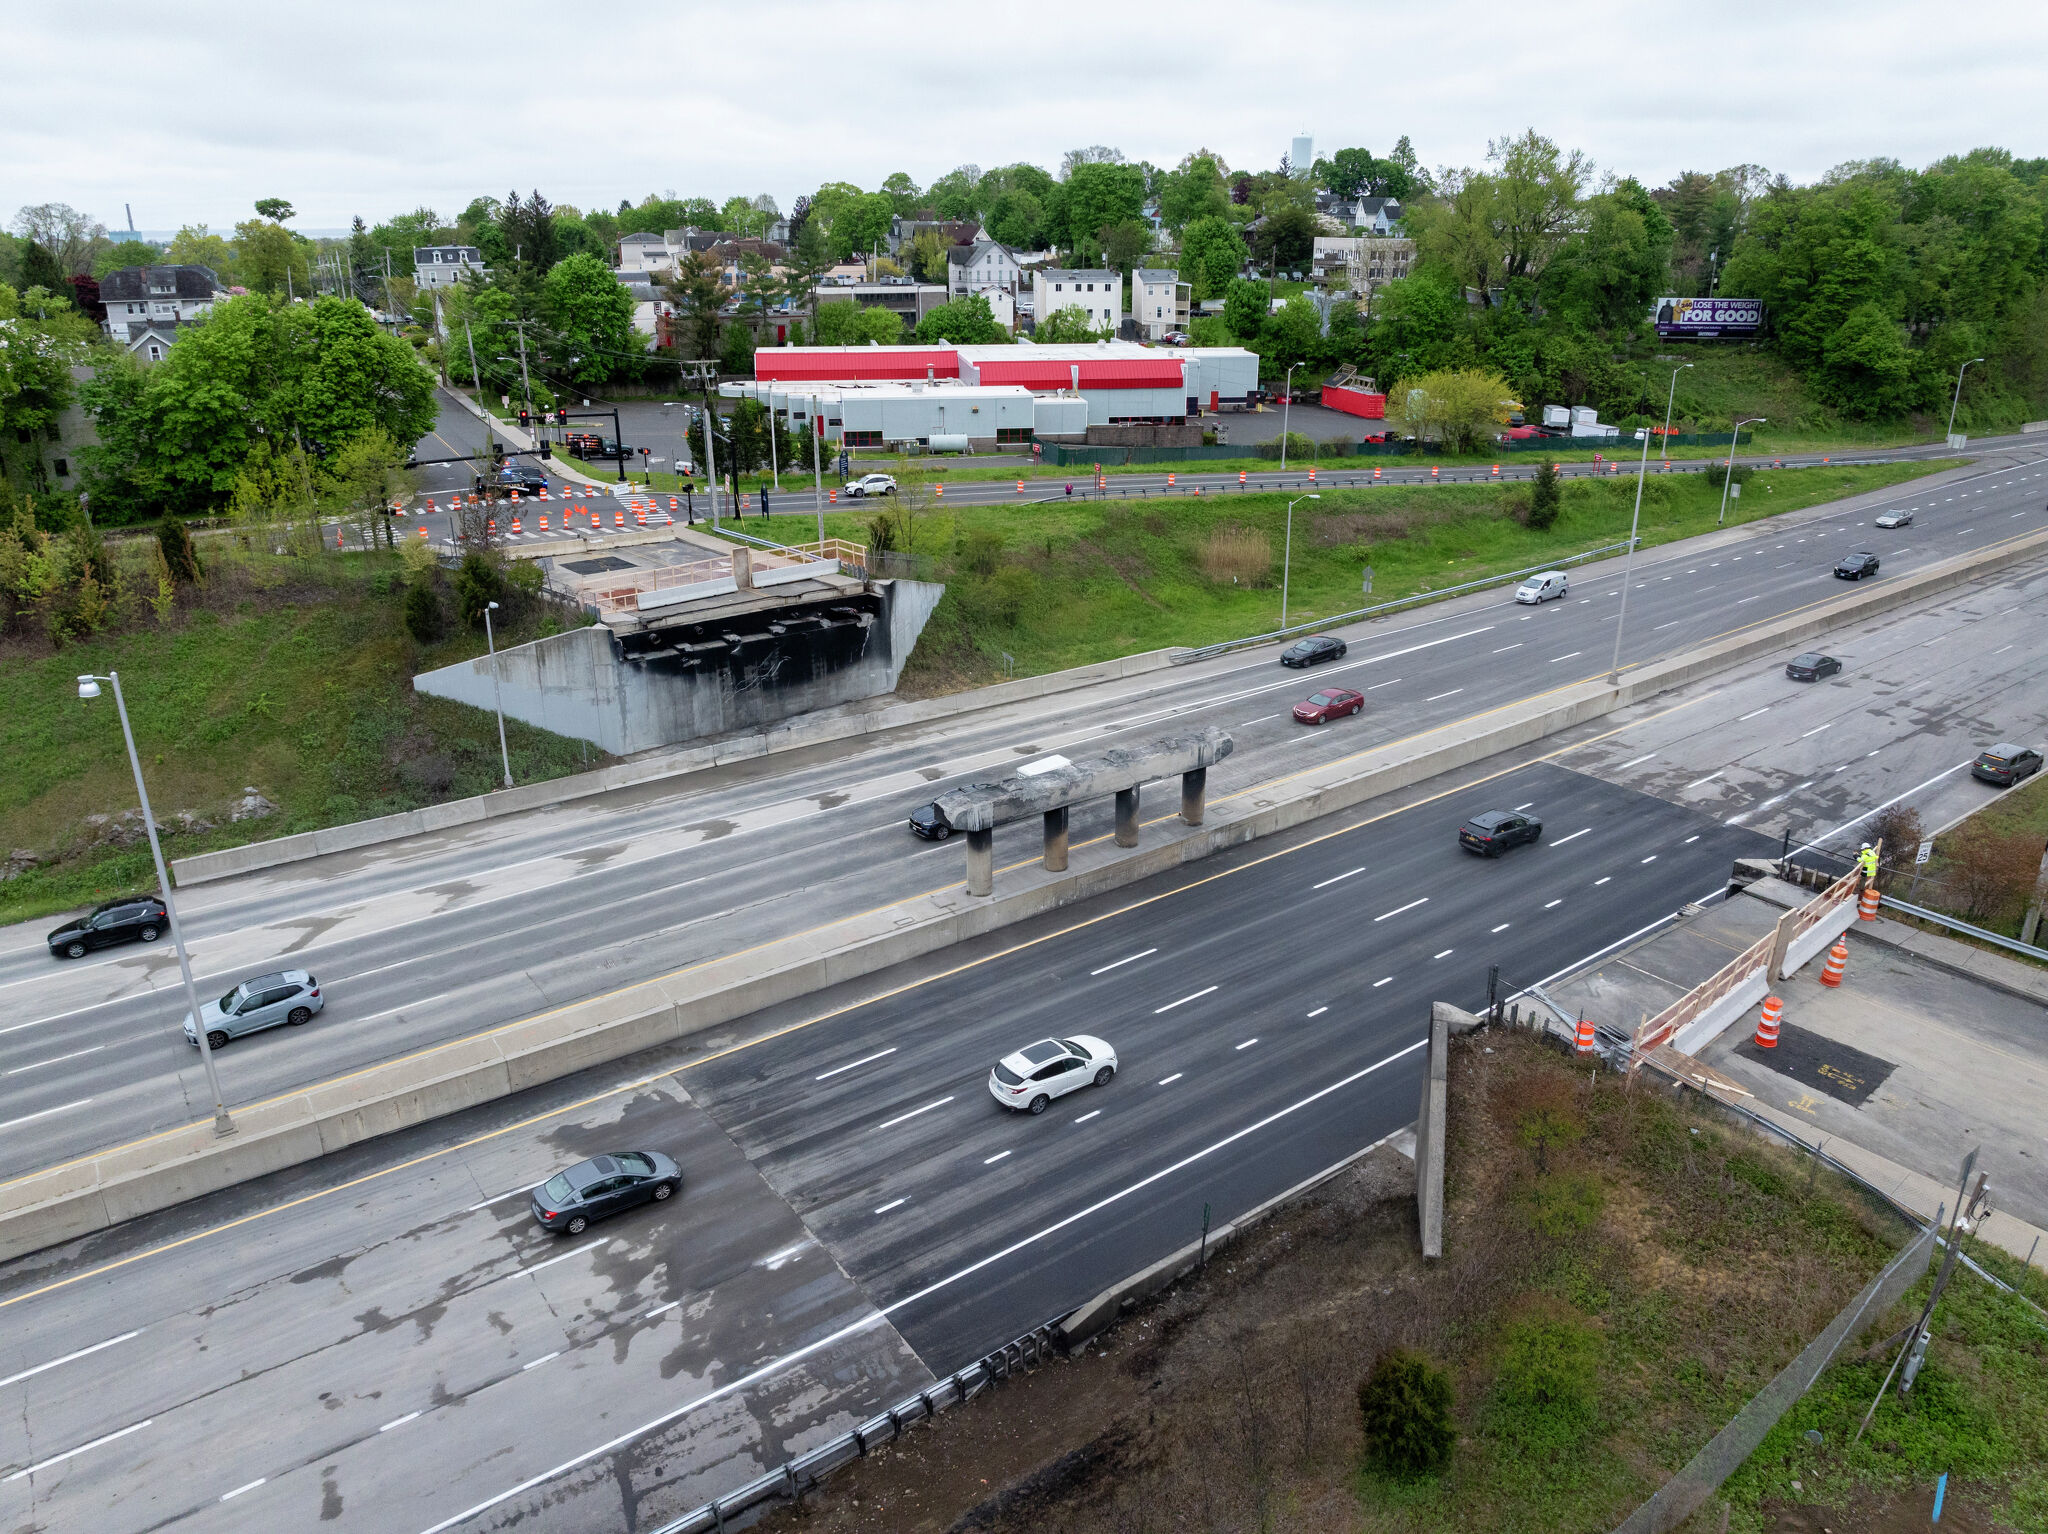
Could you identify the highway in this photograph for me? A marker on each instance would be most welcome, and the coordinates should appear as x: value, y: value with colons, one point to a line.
x: 426, y: 940
x: 373, y: 1340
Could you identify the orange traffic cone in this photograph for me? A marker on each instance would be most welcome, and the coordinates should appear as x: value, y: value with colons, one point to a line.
x: 1838, y: 960
x: 1767, y: 1025
x: 515, y: 527
x: 1866, y: 908
x: 1585, y: 1038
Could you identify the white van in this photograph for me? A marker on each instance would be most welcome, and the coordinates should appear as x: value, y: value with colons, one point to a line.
x: 1541, y: 588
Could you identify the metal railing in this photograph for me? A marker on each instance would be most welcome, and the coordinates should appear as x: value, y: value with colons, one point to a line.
x: 1666, y: 1024
x: 624, y: 596
x: 1184, y: 657
x: 803, y: 1473
x: 2009, y: 944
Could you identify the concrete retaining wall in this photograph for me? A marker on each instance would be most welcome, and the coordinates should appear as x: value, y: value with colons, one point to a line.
x: 100, y: 1190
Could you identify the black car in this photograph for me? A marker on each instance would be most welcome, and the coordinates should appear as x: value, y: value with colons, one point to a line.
x: 523, y: 477
x: 1812, y: 666
x: 568, y: 1201
x: 2005, y: 764
x: 1494, y: 832
x: 926, y: 821
x: 1313, y: 651
x: 1853, y: 567
x: 137, y: 919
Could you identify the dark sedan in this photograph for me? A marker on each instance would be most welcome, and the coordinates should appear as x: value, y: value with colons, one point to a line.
x: 1812, y: 666
x: 1313, y: 651
x: 1494, y: 832
x: 926, y: 821
x: 138, y: 919
x: 1853, y: 567
x: 1330, y: 703
x: 2005, y: 764
x: 568, y: 1201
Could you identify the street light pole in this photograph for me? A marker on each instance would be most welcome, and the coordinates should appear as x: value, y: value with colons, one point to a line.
x: 1628, y: 562
x: 1286, y: 399
x: 88, y: 687
x: 1287, y: 556
x: 1959, y: 393
x: 1671, y: 394
x: 497, y: 697
x: 817, y: 472
x: 1728, y: 469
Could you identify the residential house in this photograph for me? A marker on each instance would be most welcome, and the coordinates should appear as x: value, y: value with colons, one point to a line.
x: 56, y: 466
x: 983, y: 267
x: 912, y: 300
x: 645, y: 252
x: 1367, y: 215
x: 442, y: 266
x: 146, y: 304
x: 1160, y: 302
x: 1099, y: 295
x: 954, y: 231
x: 1361, y: 263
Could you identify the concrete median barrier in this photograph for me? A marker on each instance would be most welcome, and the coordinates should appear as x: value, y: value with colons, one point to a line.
x: 97, y: 1191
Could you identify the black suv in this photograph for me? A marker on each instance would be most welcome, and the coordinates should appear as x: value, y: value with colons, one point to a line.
x: 523, y: 477
x: 927, y: 822
x: 1313, y: 651
x: 1494, y: 832
x: 1853, y: 567
x: 138, y: 919
x: 2006, y: 764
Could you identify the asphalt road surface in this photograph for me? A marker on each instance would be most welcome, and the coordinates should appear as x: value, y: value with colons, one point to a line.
x: 437, y: 937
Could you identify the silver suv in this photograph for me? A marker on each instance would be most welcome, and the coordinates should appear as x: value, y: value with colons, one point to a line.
x: 287, y: 996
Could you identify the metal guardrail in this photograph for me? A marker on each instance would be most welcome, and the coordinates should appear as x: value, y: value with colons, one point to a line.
x: 1185, y: 657
x: 803, y: 1473
x: 1964, y: 927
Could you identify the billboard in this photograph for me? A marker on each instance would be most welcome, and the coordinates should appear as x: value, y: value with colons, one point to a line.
x: 1705, y: 319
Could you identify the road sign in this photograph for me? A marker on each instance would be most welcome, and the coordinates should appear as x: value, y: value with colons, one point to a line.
x: 1367, y: 587
x: 1926, y: 851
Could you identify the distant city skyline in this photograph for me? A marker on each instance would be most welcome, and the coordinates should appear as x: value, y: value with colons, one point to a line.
x: 340, y: 122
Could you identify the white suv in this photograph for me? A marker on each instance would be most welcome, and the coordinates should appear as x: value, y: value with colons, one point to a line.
x: 1034, y: 1076
x: 871, y: 484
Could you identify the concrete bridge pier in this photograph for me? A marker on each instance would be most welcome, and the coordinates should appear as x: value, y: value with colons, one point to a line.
x: 1127, y: 816
x: 1194, y: 792
x: 1056, y: 840
x: 981, y: 862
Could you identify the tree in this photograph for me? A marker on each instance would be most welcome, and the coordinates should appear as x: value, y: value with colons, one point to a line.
x: 736, y: 355
x: 1291, y: 336
x: 1349, y: 172
x: 1099, y: 194
x: 527, y: 230
x: 1017, y: 219
x: 1546, y: 499
x: 1536, y: 196
x: 1245, y: 306
x: 954, y: 195
x: 276, y: 209
x: 1403, y: 176
x: 1406, y: 1406
x: 902, y: 192
x: 40, y: 269
x: 270, y: 258
x: 591, y: 314
x: 196, y: 245
x: 1124, y: 244
x: 1285, y: 240
x: 926, y: 255
x: 1212, y: 253
x: 1193, y: 191
x: 966, y: 321
x: 1417, y: 325
x: 806, y: 259
x: 1069, y: 327
x: 1613, y: 267
x: 695, y: 290
x: 181, y: 559
x: 478, y: 583
x: 843, y: 323
x: 1457, y: 406
x: 73, y: 238
x: 41, y: 338
x: 422, y: 612
x: 1866, y: 370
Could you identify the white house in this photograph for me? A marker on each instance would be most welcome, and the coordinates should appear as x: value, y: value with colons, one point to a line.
x: 1099, y: 295
x: 981, y: 267
x: 147, y: 304
x: 1159, y: 301
x: 644, y: 252
x: 442, y: 266
x: 1362, y: 262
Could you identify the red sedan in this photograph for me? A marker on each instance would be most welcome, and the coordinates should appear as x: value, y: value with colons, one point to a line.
x: 1330, y: 703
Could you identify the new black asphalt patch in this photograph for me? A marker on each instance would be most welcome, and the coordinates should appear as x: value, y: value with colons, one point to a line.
x: 1838, y: 1069
x: 597, y: 566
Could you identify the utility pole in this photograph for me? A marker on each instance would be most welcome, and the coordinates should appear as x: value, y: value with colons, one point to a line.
x: 525, y: 383
x: 389, y: 307
x: 475, y: 378
x: 817, y: 471
x: 710, y: 461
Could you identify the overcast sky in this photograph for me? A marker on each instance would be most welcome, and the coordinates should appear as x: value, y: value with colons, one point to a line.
x: 192, y: 111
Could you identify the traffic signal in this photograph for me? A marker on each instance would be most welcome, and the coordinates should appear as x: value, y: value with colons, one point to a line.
x: 561, y: 415
x: 546, y: 449
x: 525, y: 418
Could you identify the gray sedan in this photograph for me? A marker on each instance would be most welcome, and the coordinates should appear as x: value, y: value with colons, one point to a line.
x: 269, y: 1001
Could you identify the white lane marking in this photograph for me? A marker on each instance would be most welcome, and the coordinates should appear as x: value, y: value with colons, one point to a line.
x: 1818, y: 728
x: 56, y: 1059
x: 2001, y: 649
x: 544, y: 1358
x: 1411, y: 905
x: 1445, y: 954
x: 1740, y: 600
x: 1378, y: 983
x: 1090, y: 1114
x: 1120, y: 963
x: 1256, y: 719
x: 473, y: 1208
x: 992, y: 1160
x: 1549, y: 903
x: 29, y: 1118
x: 1451, y: 694
x: 894, y: 1203
x: 1572, y: 838
x: 875, y: 1318
x: 576, y: 1252
x: 662, y: 1310
x: 1602, y: 880
x: 1754, y: 712
x: 1959, y: 766
x: 398, y: 1422
x: 1170, y: 1080
x: 1503, y: 926
x: 1319, y: 1011
x: 1671, y: 625
x: 1869, y: 754
x: 1507, y: 647
x: 1651, y: 858
x: 1637, y: 762
x: 863, y: 1060
x: 1247, y: 1044
x: 260, y: 1480
x: 58, y: 1459
x: 1523, y: 806
x: 82, y: 1352
x: 913, y: 1113
x: 1703, y: 782
x: 1738, y: 818
x: 1690, y: 840
x: 1338, y: 880
x: 1183, y: 1001
x: 1567, y: 656
x: 1376, y: 686
x: 1782, y: 797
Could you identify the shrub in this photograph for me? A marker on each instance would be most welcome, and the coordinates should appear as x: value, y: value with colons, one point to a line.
x: 982, y: 550
x: 1339, y: 447
x: 423, y: 617
x: 881, y: 534
x: 1545, y: 1400
x: 1718, y: 472
x: 477, y: 585
x: 1989, y: 874
x: 1011, y: 591
x: 1299, y: 446
x: 1550, y: 1117
x: 526, y: 577
x: 1546, y: 500
x: 180, y: 556
x: 418, y: 560
x: 1565, y: 1204
x: 1898, y: 827
x: 1406, y: 1405
x: 1243, y: 556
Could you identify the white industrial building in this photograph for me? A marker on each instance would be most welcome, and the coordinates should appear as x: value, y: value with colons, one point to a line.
x: 947, y: 414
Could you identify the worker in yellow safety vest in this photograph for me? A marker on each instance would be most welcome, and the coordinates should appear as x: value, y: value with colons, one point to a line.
x: 1866, y: 861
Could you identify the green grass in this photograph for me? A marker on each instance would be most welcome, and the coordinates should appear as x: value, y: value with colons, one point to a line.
x: 294, y: 677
